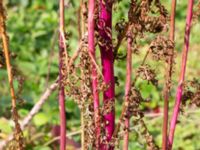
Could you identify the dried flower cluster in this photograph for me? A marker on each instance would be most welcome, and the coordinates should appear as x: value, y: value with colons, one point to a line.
x: 131, y: 108
x: 77, y: 80
x: 196, y: 14
x: 151, y: 145
x: 160, y: 48
x: 145, y: 16
x: 135, y: 100
x: 146, y: 73
x: 142, y: 17
x: 143, y: 22
x: 191, y: 93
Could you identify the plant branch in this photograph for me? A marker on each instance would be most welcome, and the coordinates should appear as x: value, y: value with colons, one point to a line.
x: 82, y: 32
x: 5, y: 42
x: 128, y: 86
x: 91, y: 48
x: 182, y: 75
x: 62, y: 51
x: 168, y: 79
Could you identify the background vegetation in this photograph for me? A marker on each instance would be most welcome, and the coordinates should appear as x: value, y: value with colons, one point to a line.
x: 32, y: 26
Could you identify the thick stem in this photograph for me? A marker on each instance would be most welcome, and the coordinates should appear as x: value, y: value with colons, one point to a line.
x: 182, y: 75
x: 91, y: 47
x: 61, y: 87
x: 128, y: 88
x: 168, y: 80
x: 107, y: 59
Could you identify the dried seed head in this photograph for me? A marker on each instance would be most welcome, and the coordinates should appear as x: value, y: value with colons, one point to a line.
x: 139, y: 15
x: 161, y: 48
x: 191, y: 93
x: 196, y: 13
x: 108, y: 107
x: 146, y: 73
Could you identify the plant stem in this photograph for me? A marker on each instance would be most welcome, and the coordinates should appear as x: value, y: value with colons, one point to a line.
x: 43, y: 98
x: 168, y: 80
x: 91, y: 47
x: 5, y: 44
x: 61, y: 87
x: 128, y: 87
x: 82, y: 32
x: 107, y: 60
x: 182, y: 75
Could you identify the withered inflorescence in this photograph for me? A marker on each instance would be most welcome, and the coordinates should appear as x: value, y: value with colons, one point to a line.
x: 146, y: 73
x: 160, y: 48
x: 191, y: 93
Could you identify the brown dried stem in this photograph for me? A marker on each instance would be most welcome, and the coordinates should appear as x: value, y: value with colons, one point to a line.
x: 5, y: 42
x: 168, y: 79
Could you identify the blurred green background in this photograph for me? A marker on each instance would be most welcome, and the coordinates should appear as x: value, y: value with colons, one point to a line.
x: 32, y: 27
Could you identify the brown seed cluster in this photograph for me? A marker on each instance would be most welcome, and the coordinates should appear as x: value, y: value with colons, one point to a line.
x: 139, y: 15
x: 191, y: 93
x: 146, y: 73
x: 135, y: 99
x: 196, y: 13
x: 144, y: 16
x: 151, y: 145
x: 160, y: 48
x: 131, y: 108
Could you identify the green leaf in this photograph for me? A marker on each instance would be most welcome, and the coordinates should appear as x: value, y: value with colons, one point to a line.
x: 40, y: 119
x: 42, y: 148
x: 4, y: 126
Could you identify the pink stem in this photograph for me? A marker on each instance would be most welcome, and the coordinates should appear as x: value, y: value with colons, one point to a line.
x: 91, y: 46
x: 182, y: 76
x: 61, y: 87
x: 107, y: 59
x: 128, y: 88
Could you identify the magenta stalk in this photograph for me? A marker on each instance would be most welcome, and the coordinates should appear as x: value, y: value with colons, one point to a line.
x: 107, y: 60
x: 61, y: 87
x: 182, y: 75
x: 91, y: 47
x: 128, y: 88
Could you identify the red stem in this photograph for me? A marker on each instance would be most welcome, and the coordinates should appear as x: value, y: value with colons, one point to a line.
x: 168, y: 80
x: 91, y: 46
x: 128, y: 88
x: 61, y: 87
x: 107, y: 60
x: 182, y: 75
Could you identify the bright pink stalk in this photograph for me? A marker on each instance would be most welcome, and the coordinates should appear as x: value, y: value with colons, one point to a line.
x: 61, y: 87
x: 128, y: 88
x: 107, y: 59
x: 91, y: 46
x: 182, y: 76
